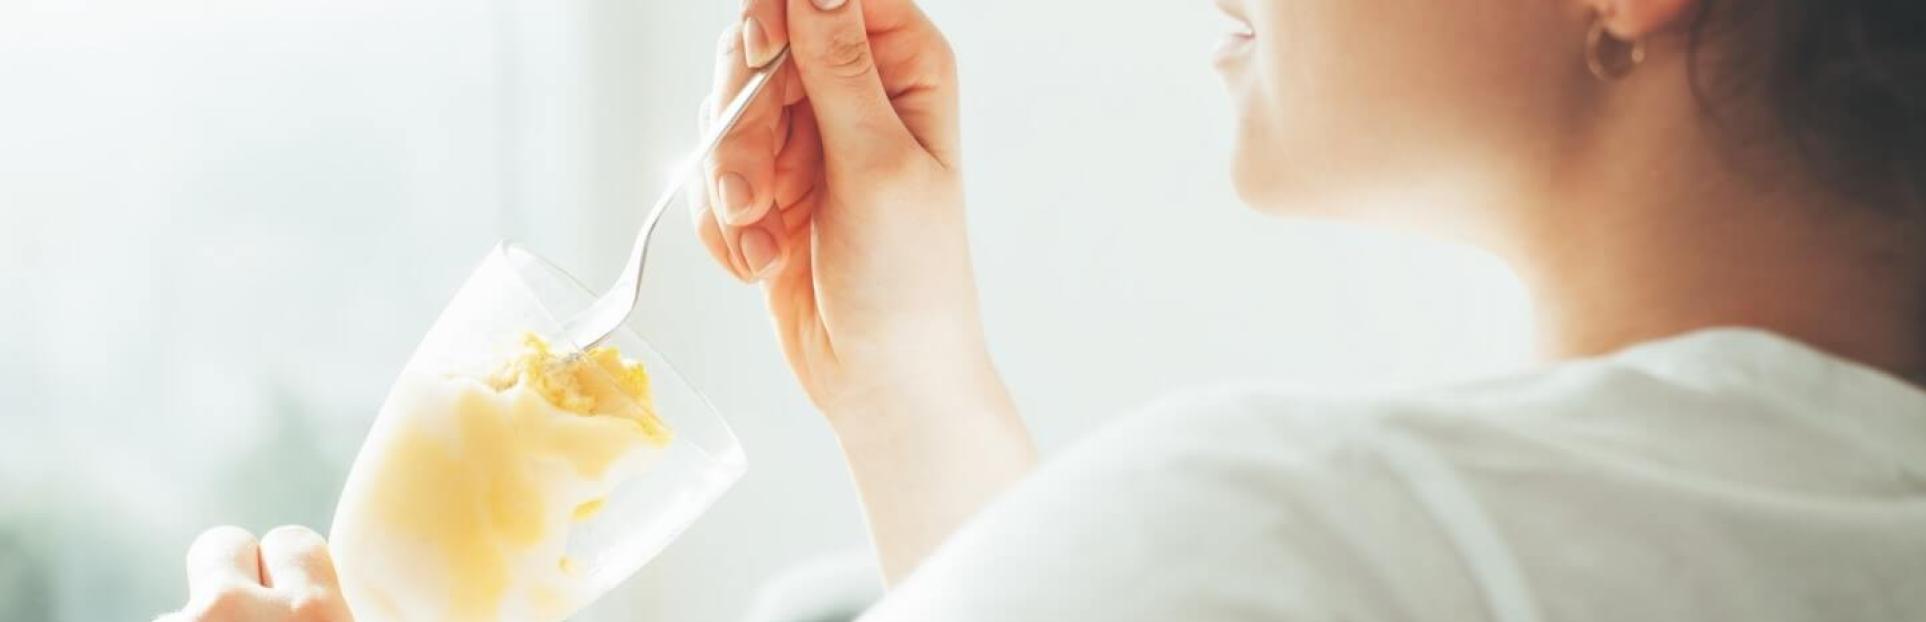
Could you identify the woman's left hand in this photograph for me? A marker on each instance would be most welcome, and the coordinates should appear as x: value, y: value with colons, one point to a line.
x: 286, y: 576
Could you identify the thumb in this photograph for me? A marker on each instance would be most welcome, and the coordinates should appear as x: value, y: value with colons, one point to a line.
x: 838, y: 71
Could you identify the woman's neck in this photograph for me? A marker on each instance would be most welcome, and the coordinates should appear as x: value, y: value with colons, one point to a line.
x: 1661, y: 229
x: 1619, y: 283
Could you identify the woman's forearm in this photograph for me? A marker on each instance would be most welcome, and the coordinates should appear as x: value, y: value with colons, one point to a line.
x: 924, y: 461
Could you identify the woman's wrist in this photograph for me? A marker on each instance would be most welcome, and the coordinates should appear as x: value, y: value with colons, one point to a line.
x: 926, y: 380
x: 927, y: 451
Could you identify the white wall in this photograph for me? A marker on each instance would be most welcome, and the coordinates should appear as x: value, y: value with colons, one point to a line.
x: 223, y: 224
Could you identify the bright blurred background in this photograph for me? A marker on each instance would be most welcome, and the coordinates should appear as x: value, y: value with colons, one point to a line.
x: 224, y: 223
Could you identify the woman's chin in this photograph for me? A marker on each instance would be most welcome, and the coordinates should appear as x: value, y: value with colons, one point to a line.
x: 1267, y: 185
x: 1273, y: 188
x: 1281, y: 191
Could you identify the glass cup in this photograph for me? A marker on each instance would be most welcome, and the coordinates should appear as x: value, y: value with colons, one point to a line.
x: 477, y: 496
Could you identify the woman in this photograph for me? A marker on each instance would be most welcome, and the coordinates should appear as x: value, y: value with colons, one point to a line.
x: 1719, y: 206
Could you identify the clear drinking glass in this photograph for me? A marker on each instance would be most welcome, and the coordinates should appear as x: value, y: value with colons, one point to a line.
x: 468, y: 501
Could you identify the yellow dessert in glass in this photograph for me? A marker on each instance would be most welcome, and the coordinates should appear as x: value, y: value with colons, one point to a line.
x: 482, y: 486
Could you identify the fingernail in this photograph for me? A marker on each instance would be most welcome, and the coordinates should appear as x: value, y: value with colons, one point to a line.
x: 734, y: 193
x: 829, y: 5
x: 755, y: 43
x: 759, y: 252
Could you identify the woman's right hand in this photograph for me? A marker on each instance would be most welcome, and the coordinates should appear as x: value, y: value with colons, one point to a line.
x: 839, y: 191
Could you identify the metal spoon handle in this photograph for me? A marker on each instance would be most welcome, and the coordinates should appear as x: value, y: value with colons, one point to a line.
x: 602, y: 318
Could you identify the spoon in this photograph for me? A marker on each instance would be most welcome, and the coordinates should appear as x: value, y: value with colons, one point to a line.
x: 607, y: 314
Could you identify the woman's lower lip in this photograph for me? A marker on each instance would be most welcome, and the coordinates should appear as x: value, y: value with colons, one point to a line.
x: 1233, y: 47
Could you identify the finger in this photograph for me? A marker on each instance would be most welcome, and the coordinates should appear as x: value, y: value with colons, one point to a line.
x: 918, y: 69
x: 762, y: 245
x: 741, y: 170
x: 753, y: 243
x: 295, y: 563
x: 799, y: 169
x: 711, y: 235
x: 742, y: 164
x: 222, y: 557
x: 296, y: 558
x: 695, y: 191
x: 838, y: 70
x: 730, y: 74
x: 792, y: 86
x: 709, y: 230
x: 765, y: 29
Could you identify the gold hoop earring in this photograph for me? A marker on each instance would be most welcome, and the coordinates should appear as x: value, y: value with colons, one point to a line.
x: 1609, y: 57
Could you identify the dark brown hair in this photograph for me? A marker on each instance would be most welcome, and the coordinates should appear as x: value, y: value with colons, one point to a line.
x: 1845, y: 81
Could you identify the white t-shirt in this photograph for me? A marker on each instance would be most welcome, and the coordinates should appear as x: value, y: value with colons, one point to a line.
x: 1722, y: 475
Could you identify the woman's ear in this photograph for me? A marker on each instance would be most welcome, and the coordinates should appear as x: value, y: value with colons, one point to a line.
x: 1632, y: 20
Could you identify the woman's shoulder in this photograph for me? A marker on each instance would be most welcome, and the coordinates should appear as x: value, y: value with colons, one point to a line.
x: 1217, y: 503
x: 1261, y: 501
x: 1298, y: 425
x: 1214, y: 503
x: 1656, y: 393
